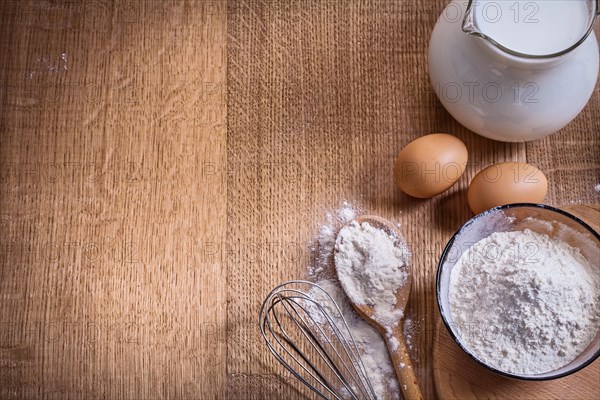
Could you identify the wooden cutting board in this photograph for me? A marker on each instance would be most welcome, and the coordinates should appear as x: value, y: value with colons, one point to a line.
x: 458, y: 376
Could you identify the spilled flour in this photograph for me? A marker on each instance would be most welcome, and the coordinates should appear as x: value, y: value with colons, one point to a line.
x: 325, y: 241
x: 371, y: 345
x: 374, y: 354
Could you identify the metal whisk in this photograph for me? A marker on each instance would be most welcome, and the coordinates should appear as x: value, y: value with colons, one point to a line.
x: 305, y: 330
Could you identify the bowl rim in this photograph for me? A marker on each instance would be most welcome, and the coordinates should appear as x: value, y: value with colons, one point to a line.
x: 438, y: 288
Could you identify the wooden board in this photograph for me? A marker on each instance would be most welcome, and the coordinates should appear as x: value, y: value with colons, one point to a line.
x: 153, y: 191
x: 458, y: 377
x: 322, y: 96
x: 112, y: 121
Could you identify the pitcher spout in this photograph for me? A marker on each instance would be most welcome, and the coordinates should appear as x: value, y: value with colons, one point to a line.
x: 468, y: 25
x: 531, y: 30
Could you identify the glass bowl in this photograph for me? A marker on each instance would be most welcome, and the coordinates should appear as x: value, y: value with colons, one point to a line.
x: 516, y: 217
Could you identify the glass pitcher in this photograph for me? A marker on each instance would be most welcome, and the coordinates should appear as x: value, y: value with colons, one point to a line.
x: 515, y: 70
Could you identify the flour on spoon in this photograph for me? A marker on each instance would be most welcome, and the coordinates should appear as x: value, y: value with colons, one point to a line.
x: 371, y: 266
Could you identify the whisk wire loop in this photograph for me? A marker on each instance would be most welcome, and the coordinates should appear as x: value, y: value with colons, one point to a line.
x: 316, y: 347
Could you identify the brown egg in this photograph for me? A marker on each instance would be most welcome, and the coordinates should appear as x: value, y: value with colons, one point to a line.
x: 430, y: 165
x: 505, y: 183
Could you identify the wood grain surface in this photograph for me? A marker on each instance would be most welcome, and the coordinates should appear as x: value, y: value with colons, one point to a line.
x: 165, y: 163
x: 112, y: 118
x: 322, y: 96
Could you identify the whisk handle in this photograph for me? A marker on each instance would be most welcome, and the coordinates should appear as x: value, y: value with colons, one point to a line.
x: 402, y: 364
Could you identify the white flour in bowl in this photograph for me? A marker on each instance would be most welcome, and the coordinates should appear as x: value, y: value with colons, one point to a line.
x: 525, y: 303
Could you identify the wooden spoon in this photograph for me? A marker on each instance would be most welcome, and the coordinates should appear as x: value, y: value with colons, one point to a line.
x: 395, y: 338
